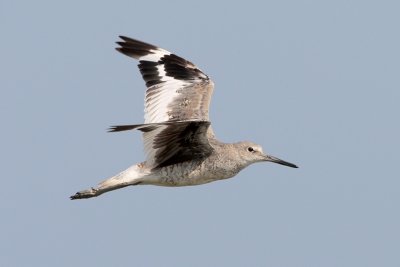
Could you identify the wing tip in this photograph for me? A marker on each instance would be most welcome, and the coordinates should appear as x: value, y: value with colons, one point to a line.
x: 120, y: 128
x: 133, y: 47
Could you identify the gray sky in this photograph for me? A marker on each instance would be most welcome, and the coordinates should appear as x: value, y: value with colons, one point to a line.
x: 315, y: 82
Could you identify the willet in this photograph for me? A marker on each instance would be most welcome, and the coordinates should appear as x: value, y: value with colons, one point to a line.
x: 179, y: 142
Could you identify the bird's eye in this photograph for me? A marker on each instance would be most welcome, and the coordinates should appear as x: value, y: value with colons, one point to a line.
x: 250, y: 149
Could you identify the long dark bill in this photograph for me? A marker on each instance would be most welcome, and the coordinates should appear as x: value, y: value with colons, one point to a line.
x: 279, y: 161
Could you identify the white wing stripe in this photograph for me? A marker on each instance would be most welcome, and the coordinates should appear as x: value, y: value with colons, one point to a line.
x: 148, y: 144
x: 157, y: 105
x: 176, y: 89
x: 155, y: 55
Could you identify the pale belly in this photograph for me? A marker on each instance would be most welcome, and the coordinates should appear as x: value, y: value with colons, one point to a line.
x: 186, y: 174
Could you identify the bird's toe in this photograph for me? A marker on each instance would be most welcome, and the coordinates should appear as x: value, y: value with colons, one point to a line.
x: 84, y: 194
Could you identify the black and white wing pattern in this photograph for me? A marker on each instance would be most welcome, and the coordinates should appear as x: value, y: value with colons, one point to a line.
x: 177, y: 100
x: 176, y: 89
x: 170, y: 143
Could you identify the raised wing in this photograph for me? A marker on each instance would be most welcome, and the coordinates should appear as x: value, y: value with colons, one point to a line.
x: 176, y: 88
x: 170, y: 143
x: 178, y: 95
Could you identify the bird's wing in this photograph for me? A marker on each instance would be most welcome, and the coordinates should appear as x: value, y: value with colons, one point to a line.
x: 173, y: 142
x: 176, y: 88
x: 177, y: 99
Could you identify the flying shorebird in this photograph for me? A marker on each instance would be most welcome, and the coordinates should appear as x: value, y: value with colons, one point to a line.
x: 180, y: 145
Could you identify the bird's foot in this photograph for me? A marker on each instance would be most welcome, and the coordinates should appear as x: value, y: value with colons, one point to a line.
x: 88, y: 193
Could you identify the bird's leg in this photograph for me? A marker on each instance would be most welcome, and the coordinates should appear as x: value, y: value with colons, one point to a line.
x: 88, y: 193
x: 131, y: 176
x: 102, y: 188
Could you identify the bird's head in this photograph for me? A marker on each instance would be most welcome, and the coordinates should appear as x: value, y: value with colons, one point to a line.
x: 252, y: 153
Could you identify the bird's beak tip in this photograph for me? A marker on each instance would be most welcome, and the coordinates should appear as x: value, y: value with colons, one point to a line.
x: 279, y: 161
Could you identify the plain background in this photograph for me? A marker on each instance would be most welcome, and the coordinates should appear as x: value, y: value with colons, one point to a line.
x: 315, y: 82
